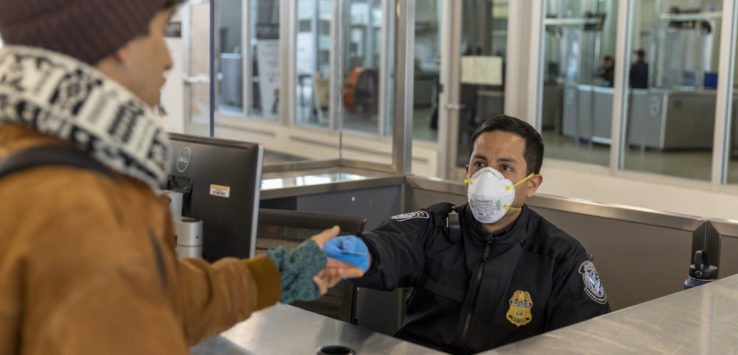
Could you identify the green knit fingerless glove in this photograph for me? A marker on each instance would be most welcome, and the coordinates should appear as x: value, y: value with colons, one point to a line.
x: 297, y: 268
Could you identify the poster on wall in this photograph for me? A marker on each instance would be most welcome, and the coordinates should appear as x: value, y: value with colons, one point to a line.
x: 481, y: 70
x: 306, y: 52
x: 267, y: 55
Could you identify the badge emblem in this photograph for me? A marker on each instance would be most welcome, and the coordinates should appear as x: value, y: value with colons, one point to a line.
x: 411, y: 215
x: 592, y: 283
x: 519, y: 311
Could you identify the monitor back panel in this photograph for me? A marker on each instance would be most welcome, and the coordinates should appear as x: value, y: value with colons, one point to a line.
x: 225, y: 183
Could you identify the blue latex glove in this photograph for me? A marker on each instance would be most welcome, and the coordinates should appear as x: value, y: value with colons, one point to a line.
x: 348, y: 249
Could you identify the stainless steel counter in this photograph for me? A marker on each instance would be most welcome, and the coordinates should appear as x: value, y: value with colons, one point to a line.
x: 697, y: 321
x: 285, y: 329
x: 701, y: 320
x: 277, y: 184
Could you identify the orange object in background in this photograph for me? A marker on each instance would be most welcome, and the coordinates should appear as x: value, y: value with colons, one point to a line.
x: 361, y: 90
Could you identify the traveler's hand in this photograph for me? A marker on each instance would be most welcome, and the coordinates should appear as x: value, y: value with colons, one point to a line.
x: 334, y: 270
x: 325, y: 236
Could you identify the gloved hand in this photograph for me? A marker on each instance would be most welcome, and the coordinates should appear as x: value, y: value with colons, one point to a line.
x: 349, y: 249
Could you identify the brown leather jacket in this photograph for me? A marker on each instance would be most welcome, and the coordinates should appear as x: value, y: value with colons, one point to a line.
x: 79, y: 272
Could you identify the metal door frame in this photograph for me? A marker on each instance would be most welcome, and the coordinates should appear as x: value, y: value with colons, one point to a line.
x: 448, y: 100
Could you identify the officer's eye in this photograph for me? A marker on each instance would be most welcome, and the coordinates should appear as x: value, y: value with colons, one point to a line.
x: 478, y: 164
x: 506, y: 168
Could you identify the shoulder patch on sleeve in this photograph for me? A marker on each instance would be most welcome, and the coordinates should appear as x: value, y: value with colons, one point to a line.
x: 592, y: 283
x: 411, y: 215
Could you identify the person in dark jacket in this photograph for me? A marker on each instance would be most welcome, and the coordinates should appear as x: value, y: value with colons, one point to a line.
x: 639, y: 71
x: 607, y: 71
x: 503, y: 272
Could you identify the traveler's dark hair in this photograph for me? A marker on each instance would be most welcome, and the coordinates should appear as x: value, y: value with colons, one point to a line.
x: 533, y: 143
x: 169, y: 4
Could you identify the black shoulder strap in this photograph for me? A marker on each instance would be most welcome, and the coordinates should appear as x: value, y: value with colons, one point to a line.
x: 453, y: 226
x: 446, y: 217
x: 51, y: 155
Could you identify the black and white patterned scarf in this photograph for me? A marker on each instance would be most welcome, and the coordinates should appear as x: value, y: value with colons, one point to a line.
x: 62, y: 97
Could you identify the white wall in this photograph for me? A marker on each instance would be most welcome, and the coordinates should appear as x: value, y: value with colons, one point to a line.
x: 172, y: 94
x: 657, y: 192
x: 316, y: 144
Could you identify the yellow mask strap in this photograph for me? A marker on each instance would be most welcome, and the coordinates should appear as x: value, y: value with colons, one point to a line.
x: 468, y: 181
x: 511, y: 208
x: 520, y: 182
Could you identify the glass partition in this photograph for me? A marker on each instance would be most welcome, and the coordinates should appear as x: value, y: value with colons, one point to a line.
x: 732, y: 143
x: 312, y: 46
x: 671, y: 64
x: 312, y: 67
x: 578, y: 77
x: 673, y: 74
x: 389, y: 88
x: 362, y: 46
x: 254, y: 81
x: 483, y: 51
x: 264, y: 75
x: 427, y: 68
x: 229, y: 54
x: 196, y: 25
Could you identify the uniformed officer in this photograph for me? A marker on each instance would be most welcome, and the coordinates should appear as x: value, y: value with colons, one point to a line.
x: 489, y: 272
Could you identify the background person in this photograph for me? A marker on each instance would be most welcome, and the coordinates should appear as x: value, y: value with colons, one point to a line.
x: 607, y: 71
x: 639, y: 71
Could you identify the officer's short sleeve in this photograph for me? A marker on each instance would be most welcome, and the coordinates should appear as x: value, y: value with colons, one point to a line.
x: 578, y: 294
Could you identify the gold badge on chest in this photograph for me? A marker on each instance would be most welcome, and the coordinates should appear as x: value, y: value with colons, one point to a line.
x: 519, y: 311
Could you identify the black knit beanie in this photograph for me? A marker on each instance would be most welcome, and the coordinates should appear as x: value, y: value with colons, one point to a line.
x: 88, y: 30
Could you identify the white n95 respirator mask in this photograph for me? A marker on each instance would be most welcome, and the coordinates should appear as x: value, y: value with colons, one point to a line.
x: 491, y: 195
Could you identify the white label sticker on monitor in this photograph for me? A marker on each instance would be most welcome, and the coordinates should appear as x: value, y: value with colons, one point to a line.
x: 220, y: 191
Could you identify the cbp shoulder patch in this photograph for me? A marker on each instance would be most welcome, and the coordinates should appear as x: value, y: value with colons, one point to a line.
x: 592, y: 283
x: 411, y: 215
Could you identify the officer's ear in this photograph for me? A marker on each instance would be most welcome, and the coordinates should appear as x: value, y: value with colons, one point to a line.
x: 533, y: 184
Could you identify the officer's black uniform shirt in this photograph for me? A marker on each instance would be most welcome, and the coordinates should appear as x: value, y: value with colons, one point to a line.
x: 482, y: 290
x: 639, y: 75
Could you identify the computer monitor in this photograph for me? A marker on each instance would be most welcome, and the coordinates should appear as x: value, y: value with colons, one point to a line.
x: 221, y: 181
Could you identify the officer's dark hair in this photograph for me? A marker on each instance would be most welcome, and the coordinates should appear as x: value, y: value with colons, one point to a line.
x: 533, y: 143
